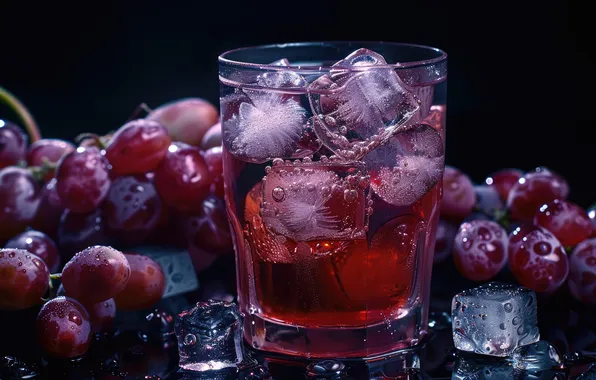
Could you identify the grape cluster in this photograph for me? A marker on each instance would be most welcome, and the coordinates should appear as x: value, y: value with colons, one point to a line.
x: 522, y: 221
x: 65, y: 206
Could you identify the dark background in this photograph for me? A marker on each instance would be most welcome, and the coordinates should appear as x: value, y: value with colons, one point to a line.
x: 519, y: 75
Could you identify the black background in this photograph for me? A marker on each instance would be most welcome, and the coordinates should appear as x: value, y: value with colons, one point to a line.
x: 520, y: 79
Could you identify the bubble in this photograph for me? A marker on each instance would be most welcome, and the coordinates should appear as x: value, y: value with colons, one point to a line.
x: 508, y: 307
x: 190, y: 339
x: 278, y: 194
x: 350, y: 196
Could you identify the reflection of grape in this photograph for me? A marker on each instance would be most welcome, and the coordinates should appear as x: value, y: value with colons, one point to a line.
x: 13, y: 144
x: 19, y: 197
x: 63, y: 328
x: 83, y: 179
x: 39, y: 244
x: 24, y: 279
x: 96, y: 274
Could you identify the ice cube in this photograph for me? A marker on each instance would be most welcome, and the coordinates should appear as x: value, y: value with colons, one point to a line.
x: 209, y: 336
x: 536, y: 357
x: 494, y: 319
x: 281, y: 78
x: 359, y: 110
x: 424, y: 95
x: 313, y: 201
x: 478, y: 368
x: 407, y: 166
x: 590, y: 374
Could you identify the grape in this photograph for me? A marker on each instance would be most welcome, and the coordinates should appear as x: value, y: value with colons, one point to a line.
x: 24, y: 279
x: 213, y: 158
x: 488, y: 200
x: 186, y: 120
x: 132, y: 208
x: 210, y: 230
x: 567, y: 221
x: 582, y: 272
x: 533, y: 190
x: 19, y: 198
x: 49, y: 210
x: 212, y: 137
x: 458, y: 195
x: 537, y: 259
x: 146, y: 285
x: 138, y: 147
x: 13, y: 144
x: 480, y: 249
x: 201, y: 259
x: 503, y: 180
x: 83, y: 179
x: 446, y: 232
x: 101, y: 314
x: 48, y: 151
x: 96, y: 274
x: 40, y: 244
x: 79, y: 231
x: 182, y: 179
x: 592, y: 216
x: 63, y: 328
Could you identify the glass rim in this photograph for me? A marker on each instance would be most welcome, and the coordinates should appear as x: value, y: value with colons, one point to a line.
x: 222, y: 58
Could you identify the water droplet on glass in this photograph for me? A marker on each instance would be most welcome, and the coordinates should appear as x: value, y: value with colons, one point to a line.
x: 190, y: 339
x: 278, y: 194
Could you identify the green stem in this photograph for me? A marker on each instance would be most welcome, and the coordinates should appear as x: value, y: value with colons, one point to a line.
x: 56, y: 276
x: 23, y: 113
x: 99, y: 141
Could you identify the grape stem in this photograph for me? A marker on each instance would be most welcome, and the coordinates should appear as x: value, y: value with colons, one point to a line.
x: 19, y: 108
x: 99, y: 141
x: 55, y: 276
x: 137, y: 111
x: 499, y: 216
x: 39, y: 172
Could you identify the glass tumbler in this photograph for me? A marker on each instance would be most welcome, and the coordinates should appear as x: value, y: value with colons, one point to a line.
x: 333, y: 165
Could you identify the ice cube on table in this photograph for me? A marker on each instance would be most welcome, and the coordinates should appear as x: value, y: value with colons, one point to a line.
x: 494, y: 319
x: 536, y: 357
x: 209, y: 336
x: 478, y: 368
x: 359, y: 108
x: 407, y: 166
x: 314, y: 200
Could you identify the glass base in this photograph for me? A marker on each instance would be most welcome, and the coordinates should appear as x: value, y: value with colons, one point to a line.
x: 370, y: 343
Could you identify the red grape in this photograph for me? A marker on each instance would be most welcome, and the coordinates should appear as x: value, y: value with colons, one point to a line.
x: 201, y: 259
x: 213, y: 158
x: 138, y: 147
x: 40, y: 244
x: 146, y: 285
x: 592, y: 216
x: 446, y: 232
x: 101, y: 314
x: 79, y: 231
x: 132, y: 208
x: 13, y: 144
x: 582, y: 271
x: 96, y: 274
x: 212, y: 137
x: 480, y: 249
x: 48, y: 151
x: 533, y: 190
x: 24, y: 279
x: 567, y: 221
x: 210, y: 230
x: 63, y: 328
x: 503, y: 180
x: 182, y: 179
x: 19, y: 198
x: 49, y: 210
x: 186, y: 120
x: 537, y: 259
x: 458, y: 194
x: 83, y: 179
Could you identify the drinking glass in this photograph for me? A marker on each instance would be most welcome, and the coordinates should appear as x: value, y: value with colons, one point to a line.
x: 333, y: 164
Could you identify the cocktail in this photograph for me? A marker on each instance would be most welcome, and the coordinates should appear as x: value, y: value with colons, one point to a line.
x: 333, y: 164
